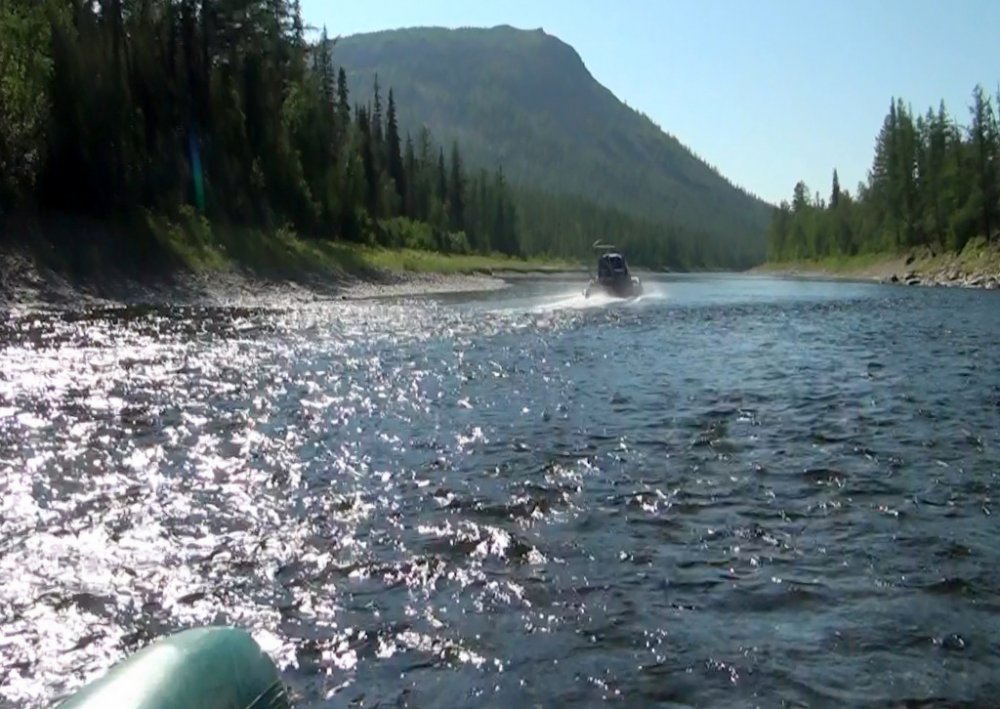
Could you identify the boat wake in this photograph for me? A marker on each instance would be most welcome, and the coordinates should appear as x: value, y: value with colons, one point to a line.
x: 570, y: 300
x: 576, y: 300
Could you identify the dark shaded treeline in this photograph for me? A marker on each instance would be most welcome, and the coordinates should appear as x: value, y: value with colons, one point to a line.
x: 566, y: 226
x: 932, y: 183
x: 111, y: 107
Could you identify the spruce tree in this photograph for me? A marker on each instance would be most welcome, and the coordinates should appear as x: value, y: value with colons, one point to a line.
x: 456, y: 191
x: 343, y: 103
x: 410, y: 179
x: 395, y: 159
x: 986, y: 161
x: 378, y: 137
x: 442, y: 178
x: 324, y: 66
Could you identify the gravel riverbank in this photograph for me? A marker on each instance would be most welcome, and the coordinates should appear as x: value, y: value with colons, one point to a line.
x: 977, y: 266
x: 26, y: 284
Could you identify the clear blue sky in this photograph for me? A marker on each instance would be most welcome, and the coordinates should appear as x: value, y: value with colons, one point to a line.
x: 769, y: 91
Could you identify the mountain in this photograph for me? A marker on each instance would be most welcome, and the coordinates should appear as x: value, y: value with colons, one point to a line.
x: 525, y: 100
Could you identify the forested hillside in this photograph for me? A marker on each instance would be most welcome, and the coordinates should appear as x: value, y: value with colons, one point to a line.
x: 122, y: 111
x: 590, y: 166
x: 221, y: 106
x: 933, y: 182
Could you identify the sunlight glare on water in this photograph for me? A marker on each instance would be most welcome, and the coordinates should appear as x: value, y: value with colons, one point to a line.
x: 729, y: 491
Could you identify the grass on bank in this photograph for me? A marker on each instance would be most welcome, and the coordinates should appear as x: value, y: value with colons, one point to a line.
x: 978, y: 256
x: 839, y: 264
x: 198, y: 246
x: 155, y: 244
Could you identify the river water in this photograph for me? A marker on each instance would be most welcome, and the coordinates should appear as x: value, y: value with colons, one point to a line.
x: 734, y: 491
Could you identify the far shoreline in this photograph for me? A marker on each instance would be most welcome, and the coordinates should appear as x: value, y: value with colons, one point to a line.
x: 976, y: 266
x: 76, y: 264
x: 26, y: 284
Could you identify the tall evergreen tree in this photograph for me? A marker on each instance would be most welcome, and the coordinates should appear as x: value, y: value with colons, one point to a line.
x: 442, y: 178
x: 800, y: 197
x: 343, y: 103
x: 324, y: 67
x: 410, y: 170
x: 395, y: 159
x: 983, y: 138
x: 371, y: 173
x: 378, y: 137
x: 456, y: 191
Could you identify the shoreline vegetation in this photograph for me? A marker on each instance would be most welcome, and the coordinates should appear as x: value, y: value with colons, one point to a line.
x: 168, y: 140
x: 928, y: 214
x: 976, y: 266
x: 182, y: 143
x: 190, y: 261
x: 172, y: 146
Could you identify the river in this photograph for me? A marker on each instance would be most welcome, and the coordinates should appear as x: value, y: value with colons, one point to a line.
x: 734, y: 491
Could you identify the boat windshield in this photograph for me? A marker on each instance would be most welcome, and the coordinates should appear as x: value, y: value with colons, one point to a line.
x: 611, y: 263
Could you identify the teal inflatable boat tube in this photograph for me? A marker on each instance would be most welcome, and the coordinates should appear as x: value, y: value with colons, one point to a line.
x: 202, y: 668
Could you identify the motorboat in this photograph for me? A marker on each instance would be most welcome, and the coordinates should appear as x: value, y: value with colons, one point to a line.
x: 613, y: 277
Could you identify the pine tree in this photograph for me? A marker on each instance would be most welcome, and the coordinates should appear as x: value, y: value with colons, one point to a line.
x: 371, y: 173
x: 378, y: 137
x: 932, y: 179
x: 410, y: 172
x: 960, y: 178
x: 425, y: 186
x: 884, y: 181
x: 983, y: 138
x: 456, y: 191
x: 442, y: 178
x: 835, y: 191
x: 343, y: 103
x: 800, y: 198
x: 324, y: 66
x: 907, y: 150
x: 505, y: 239
x: 777, y: 246
x: 395, y: 159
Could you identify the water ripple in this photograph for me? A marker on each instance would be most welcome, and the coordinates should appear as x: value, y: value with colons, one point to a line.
x: 734, y: 491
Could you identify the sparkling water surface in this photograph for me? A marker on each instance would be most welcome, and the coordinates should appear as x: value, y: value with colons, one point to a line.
x: 733, y: 491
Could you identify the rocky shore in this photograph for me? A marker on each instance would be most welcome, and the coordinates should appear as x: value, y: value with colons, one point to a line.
x: 977, y: 266
x: 947, y: 277
x: 25, y: 284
